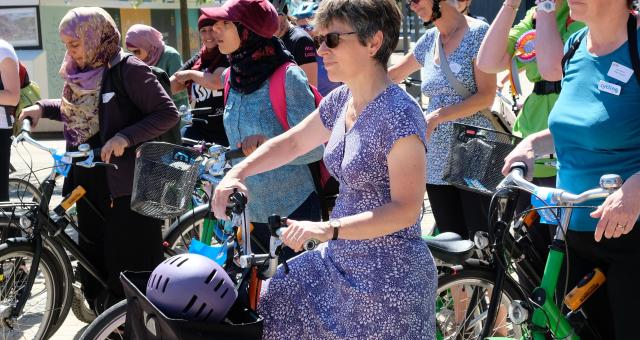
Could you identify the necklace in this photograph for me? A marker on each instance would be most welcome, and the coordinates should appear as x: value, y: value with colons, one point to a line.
x: 451, y: 34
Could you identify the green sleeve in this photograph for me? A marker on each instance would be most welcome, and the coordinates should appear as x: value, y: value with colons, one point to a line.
x: 174, y: 62
x: 525, y: 25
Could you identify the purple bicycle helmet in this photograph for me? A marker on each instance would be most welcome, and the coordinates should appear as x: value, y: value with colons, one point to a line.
x: 191, y: 287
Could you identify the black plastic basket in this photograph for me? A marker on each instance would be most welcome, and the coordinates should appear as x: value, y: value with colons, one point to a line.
x: 163, y: 180
x: 476, y: 158
x: 146, y: 321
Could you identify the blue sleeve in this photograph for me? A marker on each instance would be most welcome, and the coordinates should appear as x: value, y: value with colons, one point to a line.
x: 406, y: 121
x: 421, y: 48
x: 300, y: 103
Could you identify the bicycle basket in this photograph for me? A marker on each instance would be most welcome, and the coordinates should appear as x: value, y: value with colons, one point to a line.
x: 146, y: 321
x: 163, y: 180
x: 476, y: 158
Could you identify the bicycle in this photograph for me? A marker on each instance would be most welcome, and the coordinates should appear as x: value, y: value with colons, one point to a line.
x: 246, y: 268
x: 537, y: 311
x: 45, y: 245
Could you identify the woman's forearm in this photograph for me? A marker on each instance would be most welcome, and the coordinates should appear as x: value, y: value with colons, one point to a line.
x: 208, y: 80
x: 542, y: 143
x: 549, y: 47
x: 384, y: 220
x: 493, y: 56
x: 468, y: 107
x: 275, y: 152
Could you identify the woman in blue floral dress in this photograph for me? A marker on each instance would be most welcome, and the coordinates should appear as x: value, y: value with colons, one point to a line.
x: 454, y: 209
x: 374, y: 277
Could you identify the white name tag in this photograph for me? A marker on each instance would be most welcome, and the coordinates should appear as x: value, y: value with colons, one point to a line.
x: 620, y: 72
x: 106, y: 97
x: 609, y: 88
x: 455, y: 68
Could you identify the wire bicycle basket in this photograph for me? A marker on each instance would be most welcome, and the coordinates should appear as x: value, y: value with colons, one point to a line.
x: 476, y: 158
x: 164, y: 178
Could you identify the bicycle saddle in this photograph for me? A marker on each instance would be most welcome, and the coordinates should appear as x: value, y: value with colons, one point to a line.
x: 450, y: 247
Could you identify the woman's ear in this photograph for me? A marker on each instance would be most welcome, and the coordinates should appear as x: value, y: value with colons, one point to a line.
x: 375, y: 43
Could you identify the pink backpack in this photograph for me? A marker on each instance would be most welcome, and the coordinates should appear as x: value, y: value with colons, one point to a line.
x: 279, y: 103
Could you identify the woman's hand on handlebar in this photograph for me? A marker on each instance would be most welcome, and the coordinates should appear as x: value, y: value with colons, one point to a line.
x: 224, y: 189
x: 298, y: 232
x: 523, y: 152
x: 619, y: 212
x: 34, y: 112
x: 115, y: 145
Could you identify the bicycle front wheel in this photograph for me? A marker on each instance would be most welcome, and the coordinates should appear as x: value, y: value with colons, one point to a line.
x: 40, y: 309
x: 22, y: 191
x: 462, y: 303
x: 193, y: 224
x: 109, y: 324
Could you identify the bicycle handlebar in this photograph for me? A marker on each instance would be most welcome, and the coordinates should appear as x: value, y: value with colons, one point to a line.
x: 608, y: 184
x: 84, y: 150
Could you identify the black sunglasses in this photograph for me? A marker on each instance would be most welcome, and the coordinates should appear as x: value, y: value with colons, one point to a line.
x: 409, y: 2
x: 331, y: 39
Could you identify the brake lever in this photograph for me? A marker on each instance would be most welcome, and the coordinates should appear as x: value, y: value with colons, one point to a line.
x: 89, y: 165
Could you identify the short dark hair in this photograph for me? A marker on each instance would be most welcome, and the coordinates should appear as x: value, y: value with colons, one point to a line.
x: 367, y: 17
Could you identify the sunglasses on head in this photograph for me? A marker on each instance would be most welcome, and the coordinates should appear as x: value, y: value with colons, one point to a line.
x: 331, y: 39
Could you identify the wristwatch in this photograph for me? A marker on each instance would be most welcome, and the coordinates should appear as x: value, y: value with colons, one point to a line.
x: 335, y: 224
x: 546, y: 6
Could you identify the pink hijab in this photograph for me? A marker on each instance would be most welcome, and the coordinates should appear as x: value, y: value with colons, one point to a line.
x: 146, y: 38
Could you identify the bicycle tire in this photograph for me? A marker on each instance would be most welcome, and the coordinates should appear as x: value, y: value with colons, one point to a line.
x: 81, y: 309
x: 188, y: 224
x: 482, y: 279
x: 50, y: 273
x: 20, y: 189
x: 107, y: 323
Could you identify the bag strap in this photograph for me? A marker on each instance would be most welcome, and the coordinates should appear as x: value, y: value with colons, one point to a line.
x: 632, y: 33
x: 227, y: 85
x: 277, y: 94
x: 444, y: 66
x: 463, y: 91
x: 571, y: 51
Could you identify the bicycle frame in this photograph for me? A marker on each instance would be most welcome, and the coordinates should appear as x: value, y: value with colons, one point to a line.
x: 547, y: 315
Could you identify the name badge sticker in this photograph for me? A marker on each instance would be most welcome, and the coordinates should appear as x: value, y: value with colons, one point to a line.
x: 455, y: 68
x: 609, y: 88
x: 620, y: 72
x: 106, y: 97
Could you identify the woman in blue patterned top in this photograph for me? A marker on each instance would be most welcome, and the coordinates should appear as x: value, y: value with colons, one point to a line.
x: 244, y: 31
x: 374, y: 277
x: 454, y: 209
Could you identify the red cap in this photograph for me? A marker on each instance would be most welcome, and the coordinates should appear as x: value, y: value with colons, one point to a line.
x: 259, y: 16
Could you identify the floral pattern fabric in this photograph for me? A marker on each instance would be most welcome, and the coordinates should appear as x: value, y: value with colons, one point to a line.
x: 441, y: 94
x: 381, y: 288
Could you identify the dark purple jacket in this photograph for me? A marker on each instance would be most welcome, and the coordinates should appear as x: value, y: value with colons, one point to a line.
x: 154, y: 114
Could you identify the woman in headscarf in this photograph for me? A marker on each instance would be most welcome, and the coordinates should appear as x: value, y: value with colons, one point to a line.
x: 145, y: 42
x: 117, y: 238
x: 201, y: 76
x: 249, y: 118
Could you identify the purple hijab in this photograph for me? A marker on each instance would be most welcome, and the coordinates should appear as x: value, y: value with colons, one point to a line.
x: 100, y: 39
x: 146, y: 38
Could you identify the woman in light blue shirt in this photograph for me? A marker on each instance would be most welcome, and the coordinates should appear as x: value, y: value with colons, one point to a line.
x: 249, y: 119
x: 594, y: 128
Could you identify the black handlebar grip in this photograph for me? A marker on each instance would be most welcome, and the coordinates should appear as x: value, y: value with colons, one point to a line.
x: 234, y: 154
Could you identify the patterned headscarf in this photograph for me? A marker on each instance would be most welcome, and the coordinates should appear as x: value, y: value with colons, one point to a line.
x: 100, y: 40
x: 146, y: 38
x: 255, y: 60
